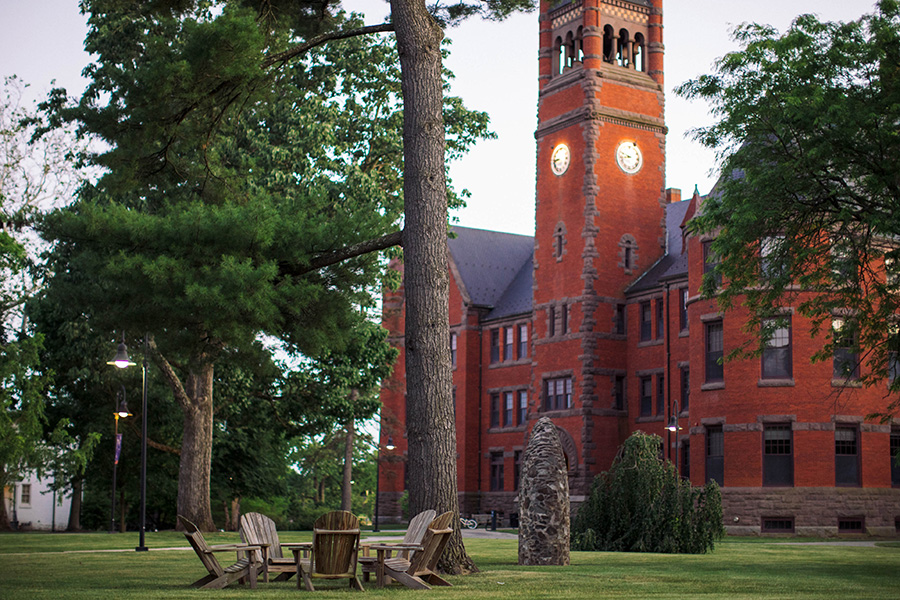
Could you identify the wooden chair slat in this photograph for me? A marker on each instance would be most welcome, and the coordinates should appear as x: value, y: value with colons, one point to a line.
x: 244, y: 569
x: 420, y: 569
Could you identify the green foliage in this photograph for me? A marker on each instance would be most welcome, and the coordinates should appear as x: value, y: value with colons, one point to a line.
x: 807, y: 137
x: 642, y: 505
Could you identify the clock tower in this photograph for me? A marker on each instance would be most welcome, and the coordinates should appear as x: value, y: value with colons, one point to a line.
x: 600, y: 211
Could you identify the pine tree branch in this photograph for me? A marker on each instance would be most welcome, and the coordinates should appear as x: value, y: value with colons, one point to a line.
x: 285, y: 56
x: 330, y: 258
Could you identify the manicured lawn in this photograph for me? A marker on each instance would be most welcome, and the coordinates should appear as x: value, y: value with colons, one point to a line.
x: 53, y: 566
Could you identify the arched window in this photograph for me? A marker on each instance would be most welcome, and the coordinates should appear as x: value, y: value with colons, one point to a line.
x: 559, y: 56
x: 559, y: 241
x: 609, y: 44
x: 579, y: 46
x: 638, y: 53
x: 570, y: 50
x: 628, y: 256
x: 622, y: 55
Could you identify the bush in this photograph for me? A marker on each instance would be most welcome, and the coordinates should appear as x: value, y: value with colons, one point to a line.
x: 642, y: 505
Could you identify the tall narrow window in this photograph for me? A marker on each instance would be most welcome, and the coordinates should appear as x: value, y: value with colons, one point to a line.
x: 620, y: 319
x: 770, y: 266
x: 660, y: 394
x: 507, y: 409
x: 715, y: 370
x: 846, y: 358
x: 646, y: 396
x: 778, y: 455
x: 564, y: 319
x: 508, y: 334
x: 523, y: 407
x: 846, y: 456
x: 686, y: 459
x: 660, y: 319
x: 495, y: 346
x: 710, y: 262
x: 551, y: 325
x: 523, y: 341
x: 683, y: 313
x: 646, y: 322
x: 496, y: 471
x: 25, y: 494
x: 453, y: 343
x: 495, y: 410
x: 619, y: 392
x: 776, y: 357
x: 715, y: 454
x: 558, y: 393
x: 685, y: 388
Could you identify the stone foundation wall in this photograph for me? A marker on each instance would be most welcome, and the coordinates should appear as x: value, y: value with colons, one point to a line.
x: 815, y: 511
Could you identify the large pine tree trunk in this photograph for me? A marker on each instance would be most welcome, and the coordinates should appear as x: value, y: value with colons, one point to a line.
x: 429, y: 421
x: 196, y: 448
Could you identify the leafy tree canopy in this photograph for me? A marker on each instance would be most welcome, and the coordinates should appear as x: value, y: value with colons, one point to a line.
x: 809, y: 146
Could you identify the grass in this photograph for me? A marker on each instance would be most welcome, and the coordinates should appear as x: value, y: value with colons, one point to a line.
x: 38, y: 566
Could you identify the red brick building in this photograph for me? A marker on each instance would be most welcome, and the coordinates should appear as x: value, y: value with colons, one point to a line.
x: 597, y: 322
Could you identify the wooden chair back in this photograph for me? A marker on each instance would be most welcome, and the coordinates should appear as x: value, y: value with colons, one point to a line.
x: 418, y: 526
x: 335, y: 545
x: 436, y: 537
x: 257, y: 528
x: 195, y: 539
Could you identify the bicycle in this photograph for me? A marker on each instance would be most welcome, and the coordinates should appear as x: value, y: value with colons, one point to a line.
x: 468, y: 523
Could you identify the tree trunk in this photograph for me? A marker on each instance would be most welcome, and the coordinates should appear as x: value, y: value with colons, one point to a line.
x: 196, y: 448
x: 346, y: 485
x: 5, y: 525
x: 430, y: 426
x: 123, y: 510
x: 75, y: 507
x: 236, y: 513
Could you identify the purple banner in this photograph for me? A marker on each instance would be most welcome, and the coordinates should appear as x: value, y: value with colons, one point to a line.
x: 118, y: 446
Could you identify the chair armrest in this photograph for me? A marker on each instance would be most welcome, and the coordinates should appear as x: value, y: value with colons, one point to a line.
x: 236, y: 547
x: 398, y: 546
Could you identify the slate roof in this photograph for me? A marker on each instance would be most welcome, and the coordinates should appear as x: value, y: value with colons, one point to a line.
x: 673, y: 264
x: 496, y: 269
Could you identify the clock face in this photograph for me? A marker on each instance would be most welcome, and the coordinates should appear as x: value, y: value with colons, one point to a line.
x: 629, y: 158
x: 559, y: 160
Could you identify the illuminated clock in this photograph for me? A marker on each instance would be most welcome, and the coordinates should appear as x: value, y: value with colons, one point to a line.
x: 559, y: 160
x: 629, y: 158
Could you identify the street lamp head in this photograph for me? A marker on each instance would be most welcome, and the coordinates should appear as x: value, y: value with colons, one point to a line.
x: 123, y: 410
x: 673, y: 424
x: 121, y: 359
x: 390, y: 444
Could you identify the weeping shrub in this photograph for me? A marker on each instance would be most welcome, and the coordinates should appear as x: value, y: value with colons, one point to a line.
x: 642, y: 505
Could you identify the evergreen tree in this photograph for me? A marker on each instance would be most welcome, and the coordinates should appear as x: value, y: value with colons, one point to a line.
x: 224, y: 186
x: 642, y: 505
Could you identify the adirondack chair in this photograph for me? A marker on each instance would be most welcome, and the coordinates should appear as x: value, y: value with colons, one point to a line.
x: 334, y: 551
x: 245, y: 569
x: 419, y: 570
x: 260, y: 529
x: 413, y: 538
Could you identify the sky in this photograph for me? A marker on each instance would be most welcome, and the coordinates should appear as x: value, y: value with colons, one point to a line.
x: 495, y: 64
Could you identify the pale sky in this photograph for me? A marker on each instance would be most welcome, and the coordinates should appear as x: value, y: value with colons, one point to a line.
x: 496, y: 71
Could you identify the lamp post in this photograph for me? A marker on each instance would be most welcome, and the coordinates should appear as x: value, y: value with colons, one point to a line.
x: 390, y: 446
x: 674, y: 428
x: 122, y: 361
x: 120, y: 412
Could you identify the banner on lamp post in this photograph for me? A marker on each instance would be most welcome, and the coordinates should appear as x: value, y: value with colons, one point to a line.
x: 118, y: 446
